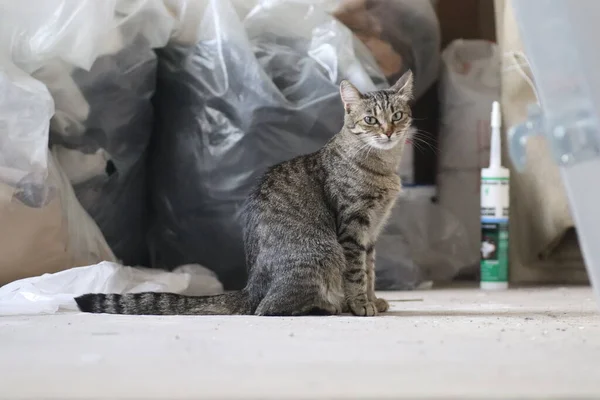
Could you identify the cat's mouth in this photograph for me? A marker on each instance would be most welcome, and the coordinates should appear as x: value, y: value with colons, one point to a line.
x: 385, y: 143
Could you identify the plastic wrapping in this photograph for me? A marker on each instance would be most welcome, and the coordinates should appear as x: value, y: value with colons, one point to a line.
x: 51, y: 293
x: 42, y: 225
x: 31, y: 34
x: 424, y: 242
x: 401, y: 34
x: 103, y: 152
x: 103, y: 123
x: 25, y: 111
x: 74, y: 31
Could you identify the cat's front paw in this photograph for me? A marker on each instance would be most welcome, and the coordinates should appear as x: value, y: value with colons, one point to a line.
x: 362, y: 309
x: 382, y: 305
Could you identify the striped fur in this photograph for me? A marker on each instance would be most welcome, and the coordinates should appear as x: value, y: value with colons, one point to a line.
x: 152, y: 303
x: 311, y: 224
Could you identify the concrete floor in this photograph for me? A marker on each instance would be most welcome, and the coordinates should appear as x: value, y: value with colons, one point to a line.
x: 454, y: 343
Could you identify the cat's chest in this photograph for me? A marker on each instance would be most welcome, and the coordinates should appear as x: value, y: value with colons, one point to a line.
x: 381, y: 207
x: 386, y: 193
x: 379, y: 197
x: 371, y: 199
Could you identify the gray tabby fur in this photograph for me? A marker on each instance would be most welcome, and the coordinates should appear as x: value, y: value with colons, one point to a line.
x: 311, y: 223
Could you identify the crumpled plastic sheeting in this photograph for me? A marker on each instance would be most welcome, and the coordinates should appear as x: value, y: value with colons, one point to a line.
x: 103, y: 121
x: 51, y: 293
x: 96, y: 60
x: 77, y: 32
x: 31, y: 34
x: 25, y: 110
x: 424, y: 242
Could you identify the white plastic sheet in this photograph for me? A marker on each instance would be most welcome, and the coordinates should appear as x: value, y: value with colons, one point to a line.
x: 43, y: 43
x: 51, y: 293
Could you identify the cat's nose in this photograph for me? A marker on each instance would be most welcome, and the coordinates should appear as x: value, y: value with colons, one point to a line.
x: 389, y: 133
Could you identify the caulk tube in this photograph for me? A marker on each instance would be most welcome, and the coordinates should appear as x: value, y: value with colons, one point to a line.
x: 495, y: 182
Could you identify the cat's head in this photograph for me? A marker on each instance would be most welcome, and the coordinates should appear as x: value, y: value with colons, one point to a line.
x: 379, y: 119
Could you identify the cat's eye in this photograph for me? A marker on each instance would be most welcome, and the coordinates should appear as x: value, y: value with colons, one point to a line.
x: 371, y: 120
x: 397, y: 116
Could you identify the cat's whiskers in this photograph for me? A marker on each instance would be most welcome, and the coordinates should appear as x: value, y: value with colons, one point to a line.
x: 368, y: 152
x: 421, y: 138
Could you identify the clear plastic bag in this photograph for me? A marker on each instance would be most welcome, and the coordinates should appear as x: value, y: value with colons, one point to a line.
x: 423, y: 242
x: 74, y: 31
x: 253, y: 91
x: 31, y: 34
x: 103, y: 123
x: 103, y: 150
x: 103, y: 114
x: 25, y: 111
x: 43, y: 228
x: 400, y: 34
x: 56, y: 42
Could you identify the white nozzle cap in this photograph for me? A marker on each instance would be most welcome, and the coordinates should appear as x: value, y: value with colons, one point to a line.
x: 495, y: 149
x: 496, y: 121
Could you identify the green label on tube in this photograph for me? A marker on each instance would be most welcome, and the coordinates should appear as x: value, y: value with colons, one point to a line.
x: 494, y: 251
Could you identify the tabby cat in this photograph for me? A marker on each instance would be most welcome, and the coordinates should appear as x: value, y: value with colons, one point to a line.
x: 310, y: 224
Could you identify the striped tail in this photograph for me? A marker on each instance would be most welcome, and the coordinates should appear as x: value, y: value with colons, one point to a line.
x: 152, y: 303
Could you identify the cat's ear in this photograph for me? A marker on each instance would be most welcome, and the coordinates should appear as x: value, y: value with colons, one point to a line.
x: 350, y: 95
x: 404, y: 86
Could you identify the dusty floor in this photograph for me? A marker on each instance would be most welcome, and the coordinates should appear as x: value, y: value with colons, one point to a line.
x: 455, y: 343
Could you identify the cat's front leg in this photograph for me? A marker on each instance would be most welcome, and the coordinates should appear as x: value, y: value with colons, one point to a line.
x: 381, y: 304
x: 355, y: 276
